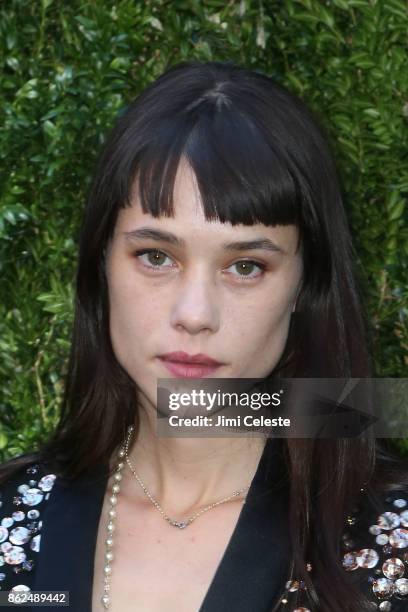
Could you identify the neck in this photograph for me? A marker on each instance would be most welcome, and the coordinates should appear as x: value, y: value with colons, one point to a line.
x: 185, y: 474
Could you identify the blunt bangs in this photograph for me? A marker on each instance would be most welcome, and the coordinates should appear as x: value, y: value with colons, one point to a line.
x: 242, y: 177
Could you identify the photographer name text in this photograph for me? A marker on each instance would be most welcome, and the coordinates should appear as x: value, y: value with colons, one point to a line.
x: 222, y: 421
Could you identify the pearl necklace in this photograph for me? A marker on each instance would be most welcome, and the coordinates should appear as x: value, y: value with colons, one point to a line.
x: 113, y: 500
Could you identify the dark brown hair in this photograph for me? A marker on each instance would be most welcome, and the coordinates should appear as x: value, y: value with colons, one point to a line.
x: 259, y: 155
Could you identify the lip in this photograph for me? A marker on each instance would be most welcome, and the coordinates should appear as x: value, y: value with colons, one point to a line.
x: 185, y: 358
x: 189, y: 370
x: 183, y: 365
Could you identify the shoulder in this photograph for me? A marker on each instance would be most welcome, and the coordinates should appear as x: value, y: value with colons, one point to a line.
x: 373, y: 553
x: 375, y: 548
x: 24, y: 493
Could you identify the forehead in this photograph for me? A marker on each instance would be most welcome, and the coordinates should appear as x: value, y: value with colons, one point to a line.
x: 189, y: 222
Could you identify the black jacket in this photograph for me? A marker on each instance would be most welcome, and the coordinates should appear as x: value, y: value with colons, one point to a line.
x: 49, y: 528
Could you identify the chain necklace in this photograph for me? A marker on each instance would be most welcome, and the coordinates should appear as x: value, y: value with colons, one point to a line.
x: 113, y: 500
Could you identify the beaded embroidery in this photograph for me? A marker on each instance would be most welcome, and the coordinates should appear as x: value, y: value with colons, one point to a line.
x: 384, y: 550
x: 20, y: 530
x: 381, y: 545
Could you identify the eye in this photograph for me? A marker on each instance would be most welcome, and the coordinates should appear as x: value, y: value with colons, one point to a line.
x: 152, y: 258
x: 246, y: 267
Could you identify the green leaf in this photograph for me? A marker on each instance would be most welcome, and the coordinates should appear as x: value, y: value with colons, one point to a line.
x: 3, y: 440
x: 156, y: 23
x: 50, y: 129
x: 397, y: 210
x: 371, y: 112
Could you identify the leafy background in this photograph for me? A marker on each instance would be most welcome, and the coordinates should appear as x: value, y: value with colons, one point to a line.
x: 68, y: 68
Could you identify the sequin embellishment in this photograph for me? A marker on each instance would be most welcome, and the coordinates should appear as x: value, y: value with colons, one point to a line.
x: 378, y: 550
x: 32, y: 497
x: 387, y: 557
x: 19, y: 533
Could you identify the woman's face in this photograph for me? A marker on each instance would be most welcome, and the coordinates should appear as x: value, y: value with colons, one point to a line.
x: 201, y: 289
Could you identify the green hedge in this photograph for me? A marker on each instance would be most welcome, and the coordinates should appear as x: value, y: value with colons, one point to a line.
x: 67, y: 68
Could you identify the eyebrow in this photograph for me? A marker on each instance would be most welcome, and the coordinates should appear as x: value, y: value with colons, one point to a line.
x: 237, y: 245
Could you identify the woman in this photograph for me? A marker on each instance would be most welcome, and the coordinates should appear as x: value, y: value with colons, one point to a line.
x: 214, y: 228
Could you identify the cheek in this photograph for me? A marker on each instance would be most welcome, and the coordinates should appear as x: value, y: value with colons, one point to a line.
x: 258, y: 334
x: 260, y: 325
x: 134, y: 313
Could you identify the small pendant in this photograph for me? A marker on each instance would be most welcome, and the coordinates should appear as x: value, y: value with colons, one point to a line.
x: 179, y: 524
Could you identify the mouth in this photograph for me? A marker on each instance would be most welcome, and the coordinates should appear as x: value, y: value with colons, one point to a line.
x: 183, y: 365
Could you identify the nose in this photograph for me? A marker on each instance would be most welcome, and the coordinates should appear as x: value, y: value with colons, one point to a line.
x: 196, y: 307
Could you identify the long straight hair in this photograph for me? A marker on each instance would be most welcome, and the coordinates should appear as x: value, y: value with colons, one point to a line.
x: 259, y: 156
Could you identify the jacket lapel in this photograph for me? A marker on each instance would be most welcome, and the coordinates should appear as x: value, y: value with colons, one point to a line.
x: 255, y: 565
x: 68, y: 540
